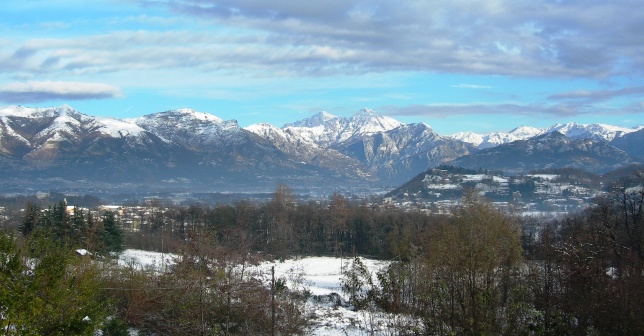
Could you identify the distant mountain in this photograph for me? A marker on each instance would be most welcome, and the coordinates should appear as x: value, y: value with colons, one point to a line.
x: 293, y: 145
x: 182, y: 144
x: 325, y: 129
x: 322, y: 151
x: 497, y: 138
x: 632, y: 143
x: 550, y: 150
x: 399, y: 154
x: 597, y: 132
x: 62, y: 142
x: 218, y: 144
x: 590, y: 131
x: 370, y: 145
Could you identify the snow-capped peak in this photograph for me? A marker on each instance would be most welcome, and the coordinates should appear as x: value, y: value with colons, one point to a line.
x: 318, y: 119
x: 118, y: 128
x: 368, y: 122
x: 262, y: 129
x: 497, y: 138
x: 200, y: 115
x: 469, y: 137
x: 30, y: 112
x: 324, y: 128
x: 185, y: 113
x: 16, y: 111
x: 525, y: 132
x: 590, y: 131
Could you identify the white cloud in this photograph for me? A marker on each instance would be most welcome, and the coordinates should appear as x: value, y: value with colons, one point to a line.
x: 34, y: 92
x: 523, y: 38
x: 507, y: 37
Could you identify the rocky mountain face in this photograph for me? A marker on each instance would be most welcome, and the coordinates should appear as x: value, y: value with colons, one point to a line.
x: 373, y: 146
x: 494, y: 139
x: 183, y: 144
x: 324, y: 150
x: 399, y: 154
x: 632, y: 143
x: 64, y: 143
x: 303, y: 150
x: 326, y: 130
x: 596, y: 132
x: 550, y: 150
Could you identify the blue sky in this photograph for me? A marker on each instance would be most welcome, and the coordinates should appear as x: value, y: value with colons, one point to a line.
x: 458, y: 65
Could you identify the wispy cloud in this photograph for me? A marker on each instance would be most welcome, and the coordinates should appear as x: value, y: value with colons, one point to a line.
x: 534, y: 110
x: 35, y: 92
x: 507, y: 37
x: 598, y: 95
x: 319, y: 38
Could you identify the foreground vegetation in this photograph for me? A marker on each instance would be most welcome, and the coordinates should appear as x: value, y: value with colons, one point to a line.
x: 476, y: 272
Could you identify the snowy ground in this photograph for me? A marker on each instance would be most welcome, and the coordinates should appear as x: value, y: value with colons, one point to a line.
x: 320, y: 275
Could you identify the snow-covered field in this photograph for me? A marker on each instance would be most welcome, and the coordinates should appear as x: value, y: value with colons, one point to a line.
x: 320, y: 275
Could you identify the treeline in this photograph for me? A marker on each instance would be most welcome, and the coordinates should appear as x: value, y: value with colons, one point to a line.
x: 74, y: 227
x: 283, y: 227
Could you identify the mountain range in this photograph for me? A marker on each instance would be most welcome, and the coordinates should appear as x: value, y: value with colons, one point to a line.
x: 322, y: 151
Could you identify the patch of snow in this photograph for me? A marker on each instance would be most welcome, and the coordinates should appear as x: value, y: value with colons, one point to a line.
x: 118, y: 128
x: 141, y: 259
x: 320, y: 275
x: 446, y: 186
x: 474, y: 177
x: 469, y: 137
x: 83, y: 252
x: 590, y: 131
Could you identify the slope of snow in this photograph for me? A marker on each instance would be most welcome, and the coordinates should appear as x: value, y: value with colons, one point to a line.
x: 190, y: 128
x: 16, y: 111
x: 4, y: 122
x: 318, y: 119
x: 118, y: 128
x: 66, y: 123
x: 571, y: 130
x: 320, y: 275
x: 326, y: 129
x: 590, y: 131
x: 469, y: 137
x: 200, y: 115
x: 497, y: 138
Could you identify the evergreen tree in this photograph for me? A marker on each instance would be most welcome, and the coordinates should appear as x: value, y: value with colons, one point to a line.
x: 30, y: 219
x: 111, y: 235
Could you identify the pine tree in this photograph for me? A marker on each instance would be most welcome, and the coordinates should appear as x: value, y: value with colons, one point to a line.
x: 30, y: 219
x: 111, y: 235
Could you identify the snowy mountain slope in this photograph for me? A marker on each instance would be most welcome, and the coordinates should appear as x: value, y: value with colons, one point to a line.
x: 631, y: 143
x: 321, y: 150
x: 550, y: 150
x: 326, y: 129
x: 61, y: 142
x: 307, y: 152
x: 590, y: 131
x: 598, y: 132
x: 191, y: 129
x: 380, y: 146
x: 401, y: 153
x: 497, y: 138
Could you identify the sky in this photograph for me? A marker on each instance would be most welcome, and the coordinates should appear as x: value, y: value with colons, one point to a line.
x: 457, y: 65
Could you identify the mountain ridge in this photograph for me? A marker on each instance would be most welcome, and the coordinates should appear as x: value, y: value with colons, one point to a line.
x: 323, y: 150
